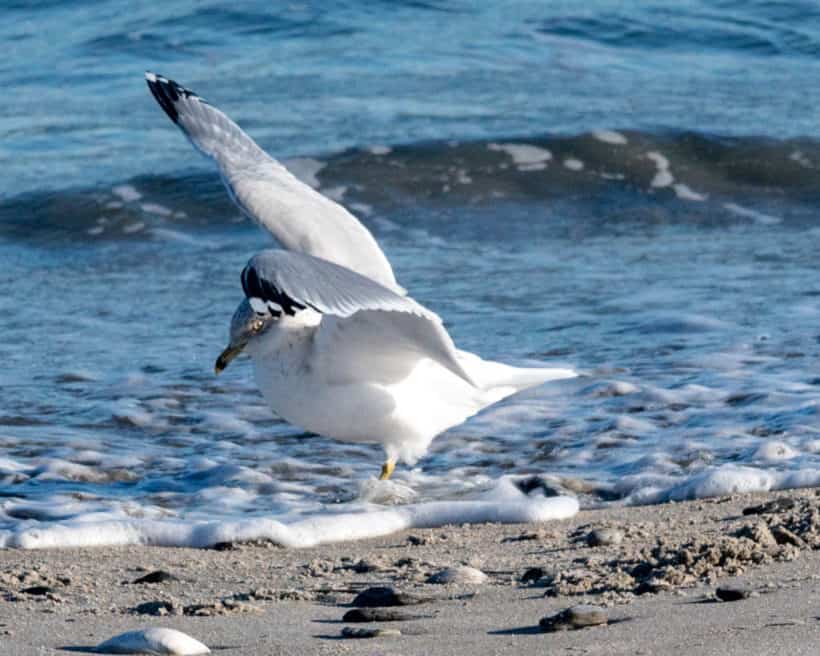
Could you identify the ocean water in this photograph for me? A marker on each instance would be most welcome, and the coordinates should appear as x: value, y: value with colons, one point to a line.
x: 630, y: 189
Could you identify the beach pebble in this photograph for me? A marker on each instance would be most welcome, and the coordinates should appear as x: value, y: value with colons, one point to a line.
x: 377, y: 615
x: 773, y: 506
x: 459, y: 575
x: 384, y: 596
x: 732, y: 593
x: 159, y: 608
x: 159, y: 641
x: 782, y: 535
x: 577, y: 617
x: 350, y: 632
x: 533, y: 574
x: 604, y: 536
x: 159, y: 576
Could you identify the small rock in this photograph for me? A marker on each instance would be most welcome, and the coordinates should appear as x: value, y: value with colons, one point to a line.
x: 363, y: 566
x: 459, y: 575
x: 773, y: 506
x: 577, y: 617
x: 221, y: 607
x: 160, y: 608
x: 224, y: 546
x: 604, y: 536
x: 533, y: 574
x: 384, y: 596
x: 732, y: 593
x: 377, y: 615
x: 159, y: 576
x: 350, y: 632
x: 784, y: 536
x: 38, y: 590
x: 417, y: 540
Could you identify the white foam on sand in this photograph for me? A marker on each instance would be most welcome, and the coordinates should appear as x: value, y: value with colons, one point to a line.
x: 711, y: 482
x: 156, y: 640
x: 505, y: 503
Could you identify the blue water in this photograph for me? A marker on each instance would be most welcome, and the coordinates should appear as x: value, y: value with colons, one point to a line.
x: 314, y: 78
x: 627, y: 188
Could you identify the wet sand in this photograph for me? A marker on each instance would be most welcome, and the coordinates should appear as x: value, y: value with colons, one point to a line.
x: 655, y: 575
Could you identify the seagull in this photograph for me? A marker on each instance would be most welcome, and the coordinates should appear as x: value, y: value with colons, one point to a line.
x: 338, y: 347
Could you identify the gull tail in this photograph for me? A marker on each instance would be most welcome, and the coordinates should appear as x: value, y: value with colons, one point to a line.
x: 209, y: 130
x: 502, y: 380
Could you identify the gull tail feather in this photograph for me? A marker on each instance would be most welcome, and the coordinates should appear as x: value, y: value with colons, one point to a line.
x: 502, y: 380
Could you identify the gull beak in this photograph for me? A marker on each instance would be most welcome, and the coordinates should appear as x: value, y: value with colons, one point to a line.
x: 224, y: 359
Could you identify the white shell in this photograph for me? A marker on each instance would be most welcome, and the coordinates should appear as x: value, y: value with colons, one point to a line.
x: 156, y: 640
x: 459, y: 575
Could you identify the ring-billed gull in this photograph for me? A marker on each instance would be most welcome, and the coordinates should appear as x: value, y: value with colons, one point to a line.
x: 338, y: 347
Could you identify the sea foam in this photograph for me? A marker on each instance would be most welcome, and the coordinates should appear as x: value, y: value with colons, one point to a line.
x: 504, y: 504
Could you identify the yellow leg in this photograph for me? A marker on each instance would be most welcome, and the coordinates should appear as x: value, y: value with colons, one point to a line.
x: 387, y: 470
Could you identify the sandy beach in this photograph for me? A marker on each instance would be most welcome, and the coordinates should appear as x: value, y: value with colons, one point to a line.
x: 658, y: 573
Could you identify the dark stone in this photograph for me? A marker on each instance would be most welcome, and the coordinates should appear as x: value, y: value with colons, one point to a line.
x: 577, y: 617
x: 154, y: 608
x: 533, y: 574
x: 160, y: 576
x: 37, y: 590
x: 384, y: 596
x: 224, y: 546
x: 600, y: 537
x: 732, y: 593
x: 773, y: 506
x: 782, y: 535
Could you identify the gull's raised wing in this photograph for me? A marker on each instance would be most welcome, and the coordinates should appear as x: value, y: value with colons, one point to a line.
x: 301, y: 219
x: 353, y: 307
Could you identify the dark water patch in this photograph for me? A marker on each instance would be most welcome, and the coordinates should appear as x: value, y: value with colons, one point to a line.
x: 686, y: 29
x: 629, y: 179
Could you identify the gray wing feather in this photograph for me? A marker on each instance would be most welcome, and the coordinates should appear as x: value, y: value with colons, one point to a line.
x: 298, y: 216
x: 295, y: 280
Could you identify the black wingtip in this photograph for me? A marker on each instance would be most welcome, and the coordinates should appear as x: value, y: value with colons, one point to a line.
x: 167, y: 93
x: 255, y: 286
x: 163, y: 91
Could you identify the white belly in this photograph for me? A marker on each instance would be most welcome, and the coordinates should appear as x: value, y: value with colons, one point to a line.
x: 340, y: 390
x: 404, y: 417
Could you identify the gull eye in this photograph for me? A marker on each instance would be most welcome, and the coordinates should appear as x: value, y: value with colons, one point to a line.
x: 256, y: 325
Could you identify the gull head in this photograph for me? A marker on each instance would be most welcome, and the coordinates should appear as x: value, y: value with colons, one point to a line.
x: 249, y: 322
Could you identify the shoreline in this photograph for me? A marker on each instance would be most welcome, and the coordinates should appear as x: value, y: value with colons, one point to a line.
x: 653, y: 568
